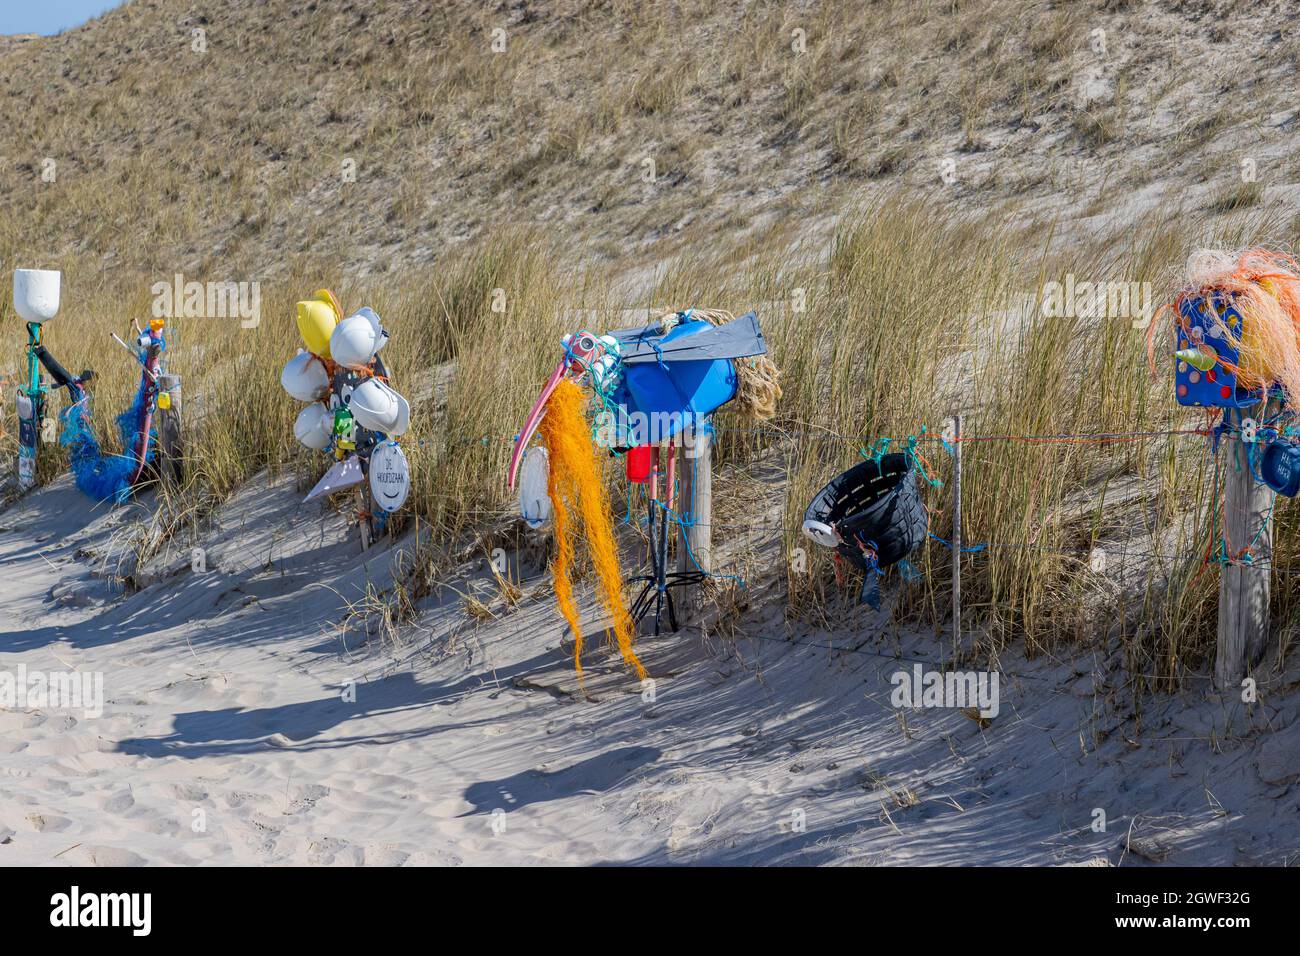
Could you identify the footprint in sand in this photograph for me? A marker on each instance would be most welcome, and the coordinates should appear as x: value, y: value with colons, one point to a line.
x: 189, y: 792
x: 236, y: 799
x: 118, y: 802
x: 41, y: 823
x: 384, y: 856
x: 329, y: 850
x: 109, y: 856
x: 306, y: 798
x: 162, y: 826
x: 262, y: 839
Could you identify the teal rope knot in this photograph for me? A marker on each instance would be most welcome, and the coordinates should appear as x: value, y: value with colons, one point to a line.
x: 880, y: 448
x: 915, y: 460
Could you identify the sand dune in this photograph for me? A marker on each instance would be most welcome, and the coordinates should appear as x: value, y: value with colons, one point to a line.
x: 227, y: 736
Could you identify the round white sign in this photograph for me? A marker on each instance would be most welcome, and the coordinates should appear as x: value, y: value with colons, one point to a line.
x: 390, y: 478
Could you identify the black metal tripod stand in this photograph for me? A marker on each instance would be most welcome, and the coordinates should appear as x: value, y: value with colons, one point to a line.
x: 656, y: 593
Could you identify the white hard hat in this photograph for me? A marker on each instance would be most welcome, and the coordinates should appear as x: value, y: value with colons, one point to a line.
x: 356, y: 339
x: 315, y: 427
x: 390, y: 476
x: 36, y: 294
x: 305, y: 377
x: 377, y: 407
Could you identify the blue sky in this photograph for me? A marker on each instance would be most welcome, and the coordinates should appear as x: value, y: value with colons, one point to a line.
x: 49, y: 16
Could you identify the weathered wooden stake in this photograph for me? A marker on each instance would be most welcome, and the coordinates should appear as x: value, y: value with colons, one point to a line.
x: 364, y: 506
x: 956, y: 532
x: 696, y: 504
x: 1243, y: 588
x: 171, y: 464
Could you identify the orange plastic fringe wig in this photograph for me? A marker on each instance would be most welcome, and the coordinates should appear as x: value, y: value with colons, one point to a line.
x: 574, y: 482
x: 1265, y: 287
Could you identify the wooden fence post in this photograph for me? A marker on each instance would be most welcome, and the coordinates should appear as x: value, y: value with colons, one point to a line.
x: 1243, y: 588
x: 696, y: 504
x: 956, y: 532
x: 365, y: 503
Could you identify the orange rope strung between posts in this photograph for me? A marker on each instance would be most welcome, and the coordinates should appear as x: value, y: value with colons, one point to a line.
x: 574, y: 482
x: 1101, y: 438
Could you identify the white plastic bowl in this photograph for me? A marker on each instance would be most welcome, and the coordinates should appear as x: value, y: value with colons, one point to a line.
x: 36, y: 294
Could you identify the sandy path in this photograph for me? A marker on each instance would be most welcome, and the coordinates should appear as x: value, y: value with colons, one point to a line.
x: 226, y: 707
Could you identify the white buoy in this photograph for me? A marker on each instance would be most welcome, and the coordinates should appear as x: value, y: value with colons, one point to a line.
x: 534, y: 502
x: 36, y: 294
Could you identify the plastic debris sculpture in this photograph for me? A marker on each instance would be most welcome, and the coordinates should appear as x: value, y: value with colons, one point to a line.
x: 651, y: 384
x: 351, y: 409
x: 1236, y: 328
x: 656, y: 380
x: 1236, y: 346
x: 149, y: 429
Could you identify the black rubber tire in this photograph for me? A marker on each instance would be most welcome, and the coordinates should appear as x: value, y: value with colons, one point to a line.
x: 875, y: 502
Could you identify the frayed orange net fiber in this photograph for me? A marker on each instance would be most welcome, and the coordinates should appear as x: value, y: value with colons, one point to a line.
x: 574, y: 483
x: 1265, y: 289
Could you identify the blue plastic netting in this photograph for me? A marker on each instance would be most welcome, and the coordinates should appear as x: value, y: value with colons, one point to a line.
x: 105, y: 477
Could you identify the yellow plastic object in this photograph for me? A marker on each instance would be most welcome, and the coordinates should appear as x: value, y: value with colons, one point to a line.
x: 1196, y: 358
x: 325, y: 295
x: 316, y: 321
x: 165, y: 401
x: 156, y: 325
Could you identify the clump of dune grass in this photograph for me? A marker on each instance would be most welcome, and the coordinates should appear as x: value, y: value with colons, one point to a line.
x: 912, y: 311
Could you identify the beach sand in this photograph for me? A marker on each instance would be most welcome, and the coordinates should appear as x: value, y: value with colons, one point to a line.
x: 244, y: 725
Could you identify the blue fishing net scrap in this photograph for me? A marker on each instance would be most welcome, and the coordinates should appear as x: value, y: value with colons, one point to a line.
x: 100, y: 475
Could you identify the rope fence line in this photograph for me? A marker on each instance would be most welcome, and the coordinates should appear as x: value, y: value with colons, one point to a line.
x: 1122, y: 554
x: 1079, y: 552
x: 1223, y: 555
x: 824, y: 435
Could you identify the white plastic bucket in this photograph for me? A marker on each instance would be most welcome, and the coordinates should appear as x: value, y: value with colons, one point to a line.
x: 36, y: 294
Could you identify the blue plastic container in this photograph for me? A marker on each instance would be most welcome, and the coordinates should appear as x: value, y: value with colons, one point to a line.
x: 1280, y: 468
x: 1217, y: 386
x: 675, y: 393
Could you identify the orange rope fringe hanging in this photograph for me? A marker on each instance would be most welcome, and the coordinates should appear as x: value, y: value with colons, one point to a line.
x: 574, y: 482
